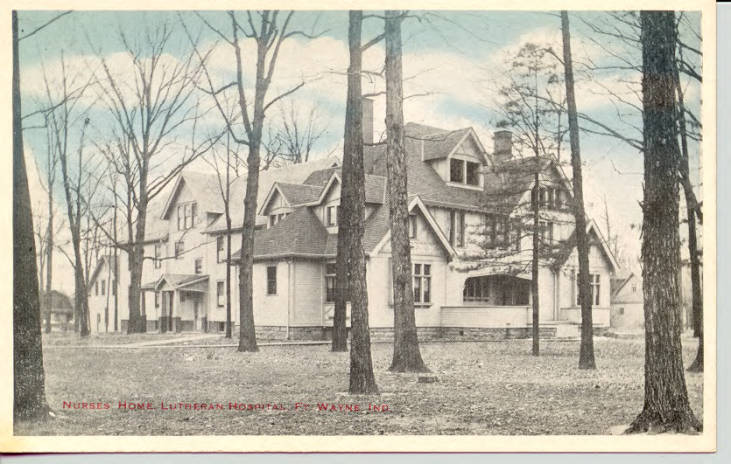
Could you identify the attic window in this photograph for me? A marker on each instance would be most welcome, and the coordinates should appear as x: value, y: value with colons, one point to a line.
x: 473, y: 173
x: 456, y: 170
x: 187, y: 213
x: 332, y: 216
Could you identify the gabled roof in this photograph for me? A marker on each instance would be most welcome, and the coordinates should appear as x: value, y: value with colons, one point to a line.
x: 569, y: 245
x: 301, y: 234
x: 292, y: 174
x: 414, y: 204
x: 104, y: 259
x: 374, y: 186
x: 436, y: 143
x: 293, y: 194
x: 176, y: 281
x: 205, y: 189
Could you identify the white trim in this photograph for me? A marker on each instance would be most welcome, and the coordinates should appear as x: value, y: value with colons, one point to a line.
x: 173, y: 194
x: 325, y: 190
x: 470, y: 131
x: 268, y: 198
x: 612, y: 260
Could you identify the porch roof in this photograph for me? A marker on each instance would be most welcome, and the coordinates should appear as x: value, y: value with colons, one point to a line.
x: 176, y: 281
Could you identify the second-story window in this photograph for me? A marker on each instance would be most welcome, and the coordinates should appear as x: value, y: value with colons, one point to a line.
x: 456, y: 228
x: 473, y: 173
x: 412, y: 226
x: 198, y: 265
x: 546, y: 232
x: 158, y: 255
x: 220, y: 255
x: 179, y: 249
x: 331, y: 214
x: 104, y: 287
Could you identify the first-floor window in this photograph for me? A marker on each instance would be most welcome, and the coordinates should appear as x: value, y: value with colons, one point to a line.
x: 157, y: 299
x: 476, y: 289
x: 271, y: 280
x: 594, y: 288
x: 330, y: 272
x: 220, y: 292
x: 422, y: 283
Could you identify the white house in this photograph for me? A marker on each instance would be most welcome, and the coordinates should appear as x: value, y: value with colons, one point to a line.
x: 470, y: 246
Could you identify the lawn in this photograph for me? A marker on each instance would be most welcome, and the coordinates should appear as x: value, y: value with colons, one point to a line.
x: 491, y: 388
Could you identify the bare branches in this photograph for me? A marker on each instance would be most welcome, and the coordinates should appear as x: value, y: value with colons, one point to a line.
x: 44, y: 25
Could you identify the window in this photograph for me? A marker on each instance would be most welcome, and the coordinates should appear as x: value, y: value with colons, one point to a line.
x: 332, y: 216
x: 271, y: 280
x: 476, y: 289
x: 179, y: 249
x: 497, y: 230
x: 198, y: 265
x: 96, y: 287
x: 412, y: 226
x: 330, y: 281
x: 219, y: 249
x: 456, y: 170
x: 220, y: 292
x: 104, y: 286
x: 456, y: 228
x: 621, y: 310
x: 422, y: 283
x: 473, y: 173
x: 158, y: 255
x: 114, y: 287
x: 157, y: 299
x: 222, y: 326
x: 187, y: 213
x: 594, y: 286
x: 545, y: 231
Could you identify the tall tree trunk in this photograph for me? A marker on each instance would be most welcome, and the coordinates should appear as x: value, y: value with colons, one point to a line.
x: 229, y: 330
x: 362, y: 380
x: 29, y: 397
x: 586, y: 351
x: 695, y: 275
x: 116, y: 264
x: 406, y: 353
x: 535, y: 326
x: 49, y: 257
x: 247, y: 330
x: 666, y: 406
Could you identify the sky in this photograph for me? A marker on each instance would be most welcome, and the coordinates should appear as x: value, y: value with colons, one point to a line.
x: 455, y: 63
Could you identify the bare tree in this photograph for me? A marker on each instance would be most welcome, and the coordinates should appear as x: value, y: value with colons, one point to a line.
x: 406, y: 353
x: 666, y: 405
x: 149, y: 109
x: 295, y: 135
x: 586, y: 351
x: 531, y: 104
x: 269, y: 31
x: 227, y: 169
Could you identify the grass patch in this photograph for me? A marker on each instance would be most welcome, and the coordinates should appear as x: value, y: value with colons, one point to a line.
x: 490, y: 388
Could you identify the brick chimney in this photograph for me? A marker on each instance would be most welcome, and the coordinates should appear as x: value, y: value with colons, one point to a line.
x: 367, y: 121
x: 502, y: 146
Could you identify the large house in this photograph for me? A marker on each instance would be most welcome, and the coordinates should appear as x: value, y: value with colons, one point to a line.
x: 471, y: 246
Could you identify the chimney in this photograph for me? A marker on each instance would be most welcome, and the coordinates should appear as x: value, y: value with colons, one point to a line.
x: 367, y: 122
x: 502, y: 146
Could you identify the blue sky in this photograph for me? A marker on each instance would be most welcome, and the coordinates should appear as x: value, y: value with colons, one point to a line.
x: 456, y: 57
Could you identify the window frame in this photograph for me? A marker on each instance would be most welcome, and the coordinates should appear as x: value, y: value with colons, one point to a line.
x: 330, y: 282
x: 220, y: 248
x: 422, y: 284
x: 220, y: 293
x: 157, y: 299
x: 271, y: 280
x: 179, y: 249
x: 198, y: 266
x: 331, y: 215
x: 158, y: 255
x: 453, y: 162
x: 413, y: 226
x: 476, y: 173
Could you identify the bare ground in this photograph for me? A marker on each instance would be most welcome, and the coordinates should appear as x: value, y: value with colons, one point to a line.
x: 489, y: 388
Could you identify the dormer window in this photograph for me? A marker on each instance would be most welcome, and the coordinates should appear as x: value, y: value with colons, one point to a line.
x: 464, y: 172
x: 331, y: 216
x: 275, y: 218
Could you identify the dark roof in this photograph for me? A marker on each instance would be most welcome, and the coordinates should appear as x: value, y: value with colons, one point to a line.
x: 321, y: 176
x: 297, y: 194
x: 507, y: 182
x: 57, y: 302
x: 437, y: 143
x: 175, y: 280
x: 423, y: 180
x: 375, y: 185
x: 299, y: 234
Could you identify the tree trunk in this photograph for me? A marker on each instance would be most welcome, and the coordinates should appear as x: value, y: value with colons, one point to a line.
x: 695, y: 275
x: 406, y: 353
x: 29, y: 397
x: 586, y: 351
x: 362, y: 380
x: 49, y: 257
x: 666, y: 406
x: 229, y: 331
x: 247, y: 330
x: 535, y: 326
